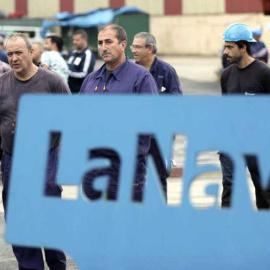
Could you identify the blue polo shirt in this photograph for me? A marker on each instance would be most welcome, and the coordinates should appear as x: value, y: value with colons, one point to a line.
x: 166, y: 78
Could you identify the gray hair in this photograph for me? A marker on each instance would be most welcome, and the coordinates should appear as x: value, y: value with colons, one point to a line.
x: 23, y: 36
x: 150, y: 40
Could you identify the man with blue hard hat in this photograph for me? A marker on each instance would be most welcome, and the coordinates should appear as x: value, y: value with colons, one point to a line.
x: 246, y: 76
x: 258, y: 49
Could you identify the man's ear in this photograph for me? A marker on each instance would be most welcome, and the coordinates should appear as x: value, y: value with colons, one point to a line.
x: 31, y: 51
x: 151, y: 49
x: 123, y: 45
x: 244, y: 48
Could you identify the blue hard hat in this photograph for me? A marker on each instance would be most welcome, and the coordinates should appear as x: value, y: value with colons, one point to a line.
x: 257, y: 32
x: 238, y: 31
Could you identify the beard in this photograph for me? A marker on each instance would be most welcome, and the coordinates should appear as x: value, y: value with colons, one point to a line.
x: 79, y: 47
x: 234, y: 59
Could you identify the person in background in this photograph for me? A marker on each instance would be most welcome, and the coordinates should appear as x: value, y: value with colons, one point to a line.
x: 51, y: 58
x: 4, y: 67
x: 144, y: 50
x: 3, y: 55
x: 258, y: 49
x: 81, y: 61
x: 38, y: 50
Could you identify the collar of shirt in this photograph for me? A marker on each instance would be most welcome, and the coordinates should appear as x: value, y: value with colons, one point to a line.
x: 117, y: 73
x: 154, y: 66
x: 82, y: 52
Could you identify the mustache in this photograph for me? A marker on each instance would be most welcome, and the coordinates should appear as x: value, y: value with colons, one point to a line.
x: 105, y: 53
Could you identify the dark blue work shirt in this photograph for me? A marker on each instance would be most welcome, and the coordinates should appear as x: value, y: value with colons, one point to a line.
x: 166, y: 78
x: 3, y: 56
x: 256, y: 48
x: 128, y: 78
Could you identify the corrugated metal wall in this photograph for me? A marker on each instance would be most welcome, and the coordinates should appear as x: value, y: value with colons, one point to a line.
x: 172, y: 7
x: 203, y: 6
x: 83, y: 5
x: 43, y: 9
x: 7, y: 6
x: 22, y: 6
x: 48, y: 8
x: 67, y: 5
x: 244, y: 6
x: 116, y: 3
x: 151, y: 6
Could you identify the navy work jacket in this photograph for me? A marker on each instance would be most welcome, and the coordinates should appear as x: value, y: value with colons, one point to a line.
x: 128, y: 78
x: 166, y: 78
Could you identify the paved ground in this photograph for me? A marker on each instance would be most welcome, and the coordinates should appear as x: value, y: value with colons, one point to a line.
x: 198, y: 77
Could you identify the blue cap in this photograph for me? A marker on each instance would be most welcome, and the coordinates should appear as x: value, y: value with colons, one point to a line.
x: 257, y: 32
x: 238, y: 31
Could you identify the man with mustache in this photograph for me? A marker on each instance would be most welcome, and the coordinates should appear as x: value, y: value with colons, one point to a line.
x: 117, y: 76
x: 245, y: 76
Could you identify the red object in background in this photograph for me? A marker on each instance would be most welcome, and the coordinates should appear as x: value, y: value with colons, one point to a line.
x: 266, y: 6
x: 21, y: 7
x: 67, y: 5
x: 16, y: 14
x: 244, y: 6
x: 173, y: 7
x: 116, y: 3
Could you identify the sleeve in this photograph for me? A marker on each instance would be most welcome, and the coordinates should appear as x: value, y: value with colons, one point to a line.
x: 59, y: 86
x: 146, y: 85
x: 262, y: 52
x: 266, y: 80
x: 172, y: 82
x: 86, y: 61
x: 63, y: 88
x: 223, y: 84
x: 45, y: 59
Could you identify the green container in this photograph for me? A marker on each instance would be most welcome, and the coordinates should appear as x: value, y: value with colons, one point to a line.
x: 133, y: 24
x: 21, y: 22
